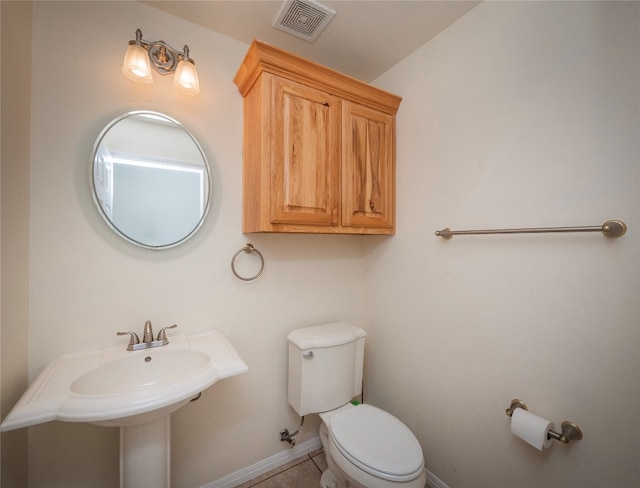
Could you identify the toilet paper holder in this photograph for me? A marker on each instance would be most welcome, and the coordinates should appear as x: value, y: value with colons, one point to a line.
x: 570, y: 431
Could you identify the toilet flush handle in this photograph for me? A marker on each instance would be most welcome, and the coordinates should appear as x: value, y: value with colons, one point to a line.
x: 308, y: 355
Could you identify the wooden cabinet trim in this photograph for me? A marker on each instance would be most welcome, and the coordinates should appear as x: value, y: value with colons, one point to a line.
x: 263, y: 57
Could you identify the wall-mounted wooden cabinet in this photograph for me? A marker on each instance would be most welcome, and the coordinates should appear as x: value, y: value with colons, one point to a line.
x: 319, y: 148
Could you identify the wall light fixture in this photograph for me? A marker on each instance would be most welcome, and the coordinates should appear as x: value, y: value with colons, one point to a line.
x: 143, y: 55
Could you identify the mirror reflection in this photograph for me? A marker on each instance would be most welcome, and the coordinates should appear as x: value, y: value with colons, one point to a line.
x: 150, y: 179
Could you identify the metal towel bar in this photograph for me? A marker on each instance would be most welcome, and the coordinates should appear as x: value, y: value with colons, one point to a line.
x: 611, y: 229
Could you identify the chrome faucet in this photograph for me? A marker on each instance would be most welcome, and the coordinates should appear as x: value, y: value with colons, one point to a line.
x: 147, y: 337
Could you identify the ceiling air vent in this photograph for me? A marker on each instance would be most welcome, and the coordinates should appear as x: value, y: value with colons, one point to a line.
x: 303, y: 18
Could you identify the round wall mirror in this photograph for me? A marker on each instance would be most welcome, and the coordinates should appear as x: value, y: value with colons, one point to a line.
x: 150, y: 179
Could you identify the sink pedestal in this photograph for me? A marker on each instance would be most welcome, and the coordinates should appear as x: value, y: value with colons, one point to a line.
x: 145, y: 454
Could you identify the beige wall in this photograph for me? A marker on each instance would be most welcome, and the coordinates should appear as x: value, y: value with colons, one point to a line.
x: 86, y: 283
x: 520, y: 114
x: 14, y: 316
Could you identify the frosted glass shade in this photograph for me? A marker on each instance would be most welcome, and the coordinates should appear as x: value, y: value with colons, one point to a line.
x: 186, y: 77
x: 136, y: 65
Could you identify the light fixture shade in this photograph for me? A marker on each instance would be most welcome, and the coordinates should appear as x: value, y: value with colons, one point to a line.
x: 186, y: 77
x: 136, y: 65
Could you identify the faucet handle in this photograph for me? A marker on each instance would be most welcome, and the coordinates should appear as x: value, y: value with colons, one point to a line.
x: 162, y: 335
x: 134, y: 337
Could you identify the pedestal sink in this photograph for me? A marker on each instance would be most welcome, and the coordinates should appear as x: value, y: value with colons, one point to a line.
x: 133, y: 390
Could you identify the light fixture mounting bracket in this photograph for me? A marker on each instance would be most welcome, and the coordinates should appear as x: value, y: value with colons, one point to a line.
x: 162, y: 57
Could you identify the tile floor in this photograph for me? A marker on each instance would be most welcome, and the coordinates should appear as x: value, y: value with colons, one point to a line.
x: 303, y: 472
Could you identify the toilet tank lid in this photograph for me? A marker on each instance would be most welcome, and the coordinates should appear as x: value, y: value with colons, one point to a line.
x: 326, y: 335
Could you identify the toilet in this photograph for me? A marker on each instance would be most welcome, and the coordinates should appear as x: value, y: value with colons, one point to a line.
x: 365, y: 446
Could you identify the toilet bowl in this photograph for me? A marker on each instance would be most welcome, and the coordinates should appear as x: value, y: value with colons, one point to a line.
x: 365, y: 446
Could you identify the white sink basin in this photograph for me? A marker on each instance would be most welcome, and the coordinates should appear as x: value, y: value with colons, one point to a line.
x: 116, y: 387
x: 140, y: 371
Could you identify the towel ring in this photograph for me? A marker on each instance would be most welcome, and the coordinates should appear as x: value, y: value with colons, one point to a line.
x: 248, y: 249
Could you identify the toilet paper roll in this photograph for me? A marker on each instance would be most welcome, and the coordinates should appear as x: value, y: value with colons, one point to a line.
x: 531, y: 428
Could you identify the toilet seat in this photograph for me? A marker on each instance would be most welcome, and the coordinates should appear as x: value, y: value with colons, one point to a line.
x: 376, y: 442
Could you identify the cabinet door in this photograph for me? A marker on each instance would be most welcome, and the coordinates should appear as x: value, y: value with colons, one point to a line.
x: 305, y: 155
x: 368, y: 167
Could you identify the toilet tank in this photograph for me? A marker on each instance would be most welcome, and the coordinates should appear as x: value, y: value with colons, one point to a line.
x: 325, y: 366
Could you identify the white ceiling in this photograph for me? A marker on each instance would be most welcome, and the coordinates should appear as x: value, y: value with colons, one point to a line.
x: 364, y: 39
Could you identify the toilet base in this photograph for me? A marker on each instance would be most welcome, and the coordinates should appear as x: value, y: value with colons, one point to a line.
x: 328, y: 480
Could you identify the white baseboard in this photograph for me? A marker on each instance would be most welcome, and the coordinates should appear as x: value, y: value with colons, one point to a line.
x: 284, y: 457
x: 266, y: 465
x: 433, y: 481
